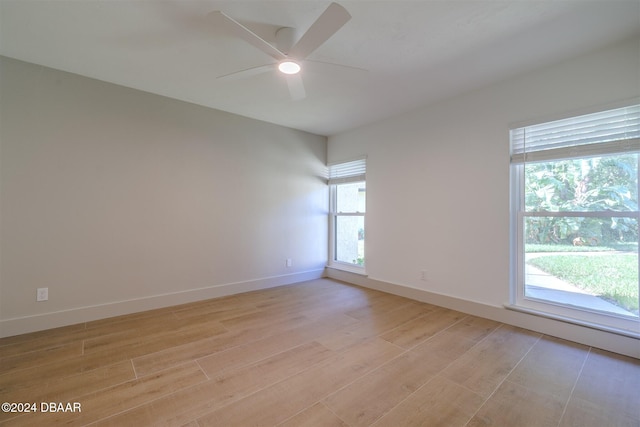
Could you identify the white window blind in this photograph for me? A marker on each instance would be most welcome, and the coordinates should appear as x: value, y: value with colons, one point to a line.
x: 605, y: 132
x: 353, y: 171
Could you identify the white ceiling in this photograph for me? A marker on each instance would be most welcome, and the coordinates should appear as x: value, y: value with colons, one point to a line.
x: 417, y: 52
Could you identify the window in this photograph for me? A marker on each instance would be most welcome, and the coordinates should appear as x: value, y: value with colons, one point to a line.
x: 348, y: 190
x: 574, y: 218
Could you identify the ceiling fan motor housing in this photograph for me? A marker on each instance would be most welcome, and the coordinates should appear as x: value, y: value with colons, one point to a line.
x: 284, y: 39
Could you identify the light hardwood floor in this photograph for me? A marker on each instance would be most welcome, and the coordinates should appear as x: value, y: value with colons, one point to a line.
x: 319, y: 353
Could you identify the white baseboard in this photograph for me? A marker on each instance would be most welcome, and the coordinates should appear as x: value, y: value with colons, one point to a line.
x: 26, y: 324
x: 610, y: 341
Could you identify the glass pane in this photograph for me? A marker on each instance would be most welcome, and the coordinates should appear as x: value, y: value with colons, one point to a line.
x: 583, y: 185
x: 589, y: 263
x: 351, y: 197
x: 350, y: 239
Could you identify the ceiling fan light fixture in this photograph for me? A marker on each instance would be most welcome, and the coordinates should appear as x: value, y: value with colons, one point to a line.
x: 289, y: 67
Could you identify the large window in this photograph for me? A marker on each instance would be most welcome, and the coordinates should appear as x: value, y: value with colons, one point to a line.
x: 575, y: 218
x: 348, y: 191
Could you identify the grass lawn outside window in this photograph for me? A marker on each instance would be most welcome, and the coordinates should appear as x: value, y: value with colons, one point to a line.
x: 604, y: 272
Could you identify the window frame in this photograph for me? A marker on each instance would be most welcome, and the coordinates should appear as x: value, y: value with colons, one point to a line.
x: 344, y: 173
x: 518, y: 299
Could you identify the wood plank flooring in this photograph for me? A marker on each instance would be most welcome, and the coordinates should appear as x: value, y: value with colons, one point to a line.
x: 319, y: 353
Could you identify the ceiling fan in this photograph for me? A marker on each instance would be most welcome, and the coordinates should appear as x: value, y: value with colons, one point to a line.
x: 291, y: 57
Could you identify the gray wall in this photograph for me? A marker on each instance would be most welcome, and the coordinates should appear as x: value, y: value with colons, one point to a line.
x: 118, y: 200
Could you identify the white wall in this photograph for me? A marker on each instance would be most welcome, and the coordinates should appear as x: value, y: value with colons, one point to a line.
x: 119, y: 200
x: 438, y: 177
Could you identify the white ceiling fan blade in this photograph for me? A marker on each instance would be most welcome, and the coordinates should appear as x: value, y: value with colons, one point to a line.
x: 253, y: 71
x: 296, y: 87
x: 323, y: 65
x: 331, y: 20
x: 246, y: 34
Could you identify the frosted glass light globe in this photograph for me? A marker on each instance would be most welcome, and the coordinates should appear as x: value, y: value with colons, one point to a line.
x: 289, y: 67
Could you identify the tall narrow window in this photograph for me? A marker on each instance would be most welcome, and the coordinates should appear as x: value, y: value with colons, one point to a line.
x: 575, y: 218
x: 348, y: 190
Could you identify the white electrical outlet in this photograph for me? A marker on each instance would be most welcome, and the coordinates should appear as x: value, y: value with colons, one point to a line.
x: 423, y: 275
x: 42, y: 294
x: 289, y: 262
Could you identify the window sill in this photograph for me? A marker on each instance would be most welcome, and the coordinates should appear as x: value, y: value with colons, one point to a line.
x: 571, y: 320
x: 348, y: 268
